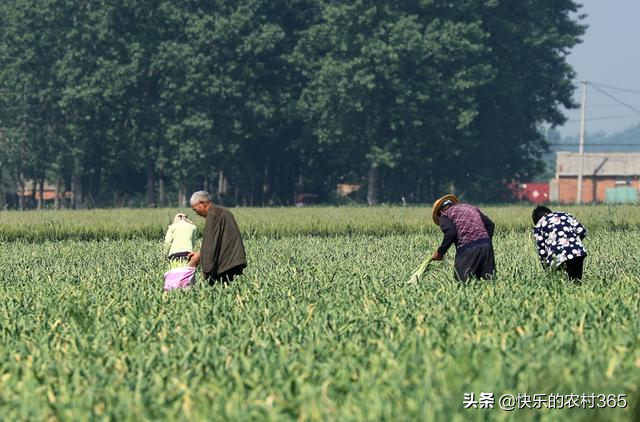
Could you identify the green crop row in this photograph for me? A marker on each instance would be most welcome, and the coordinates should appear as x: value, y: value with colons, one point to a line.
x: 150, y: 224
x: 317, y: 329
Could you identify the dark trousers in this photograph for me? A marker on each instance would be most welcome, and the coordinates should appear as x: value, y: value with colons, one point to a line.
x: 178, y: 256
x: 227, y: 276
x: 574, y: 267
x: 477, y: 261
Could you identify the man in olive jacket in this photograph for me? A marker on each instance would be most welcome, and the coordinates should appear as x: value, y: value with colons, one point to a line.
x: 222, y: 253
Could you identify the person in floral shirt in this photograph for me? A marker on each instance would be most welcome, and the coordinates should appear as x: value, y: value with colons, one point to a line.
x: 558, y: 237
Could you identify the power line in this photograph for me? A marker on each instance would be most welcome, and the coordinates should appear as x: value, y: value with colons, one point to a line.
x: 604, y: 118
x: 616, y: 99
x: 595, y: 144
x: 609, y: 105
x: 615, y: 88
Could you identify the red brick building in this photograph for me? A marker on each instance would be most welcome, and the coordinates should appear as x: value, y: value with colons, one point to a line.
x: 534, y: 192
x: 601, y: 171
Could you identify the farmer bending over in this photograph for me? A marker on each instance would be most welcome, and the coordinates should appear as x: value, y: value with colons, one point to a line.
x: 471, y: 231
x: 180, y: 238
x: 222, y: 253
x: 558, y: 237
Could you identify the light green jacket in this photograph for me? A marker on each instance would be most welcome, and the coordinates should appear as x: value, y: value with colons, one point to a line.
x: 180, y: 237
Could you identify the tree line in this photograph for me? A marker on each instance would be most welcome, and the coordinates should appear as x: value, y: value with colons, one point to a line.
x: 260, y: 100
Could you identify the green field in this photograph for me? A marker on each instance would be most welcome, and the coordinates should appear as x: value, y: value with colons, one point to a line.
x: 322, y: 326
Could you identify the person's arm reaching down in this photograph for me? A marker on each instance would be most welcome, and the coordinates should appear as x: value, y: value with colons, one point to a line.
x: 450, y: 234
x: 488, y: 224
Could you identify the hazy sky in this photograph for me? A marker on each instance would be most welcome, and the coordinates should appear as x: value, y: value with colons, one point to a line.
x: 609, y: 55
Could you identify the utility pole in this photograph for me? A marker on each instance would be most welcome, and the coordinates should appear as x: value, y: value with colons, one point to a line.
x: 583, y: 112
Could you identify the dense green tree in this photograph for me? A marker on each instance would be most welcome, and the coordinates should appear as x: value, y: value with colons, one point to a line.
x: 529, y: 41
x: 31, y: 46
x: 140, y: 102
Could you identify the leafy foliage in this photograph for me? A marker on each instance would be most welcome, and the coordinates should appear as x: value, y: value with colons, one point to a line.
x: 121, y: 224
x: 317, y: 328
x: 264, y: 99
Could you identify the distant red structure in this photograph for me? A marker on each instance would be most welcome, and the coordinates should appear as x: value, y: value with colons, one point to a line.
x: 534, y: 192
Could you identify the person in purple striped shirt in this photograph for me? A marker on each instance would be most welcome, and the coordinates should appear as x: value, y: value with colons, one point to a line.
x: 471, y: 232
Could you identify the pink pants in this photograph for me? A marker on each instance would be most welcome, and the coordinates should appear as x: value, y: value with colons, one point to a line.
x: 179, y: 278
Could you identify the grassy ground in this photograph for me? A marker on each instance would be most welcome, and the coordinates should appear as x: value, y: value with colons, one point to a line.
x: 320, y: 327
x: 151, y: 224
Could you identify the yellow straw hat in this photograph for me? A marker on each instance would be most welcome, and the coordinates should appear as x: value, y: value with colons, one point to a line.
x: 436, y: 206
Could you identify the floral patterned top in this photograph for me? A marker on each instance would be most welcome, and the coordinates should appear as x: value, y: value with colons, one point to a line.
x: 558, y: 238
